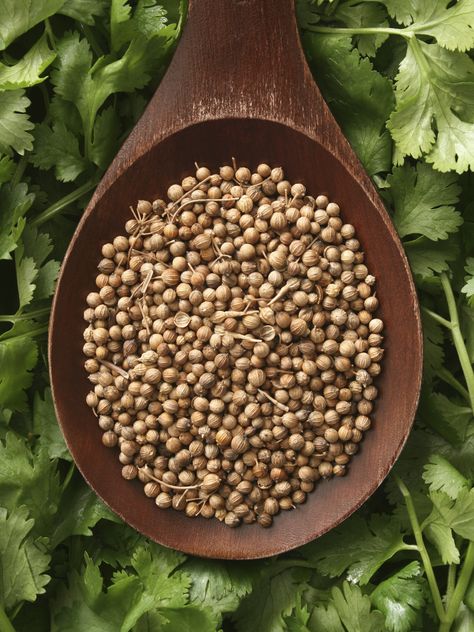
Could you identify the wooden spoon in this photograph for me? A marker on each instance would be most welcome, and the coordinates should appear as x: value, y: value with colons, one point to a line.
x: 239, y: 86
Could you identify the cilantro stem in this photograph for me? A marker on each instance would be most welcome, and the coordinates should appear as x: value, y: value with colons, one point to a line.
x: 458, y: 339
x: 32, y: 333
x: 16, y: 611
x: 68, y: 477
x: 19, y: 171
x: 449, y: 378
x: 94, y: 44
x: 183, y: 12
x: 451, y: 583
x: 45, y: 96
x: 408, y: 32
x: 5, y: 623
x: 333, y: 30
x: 50, y: 33
x: 439, y: 319
x: 415, y: 525
x: 409, y: 547
x: 58, y: 206
x: 15, y: 318
x: 460, y: 590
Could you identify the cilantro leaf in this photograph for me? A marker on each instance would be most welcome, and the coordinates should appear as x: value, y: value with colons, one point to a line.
x: 219, y: 585
x: 458, y: 514
x: 428, y: 258
x: 324, y: 617
x: 434, y: 95
x: 28, y: 479
x: 79, y: 510
x: 310, y: 12
x: 452, y: 27
x: 39, y: 246
x: 73, y: 64
x: 105, y: 143
x: 147, y: 20
x: 58, y: 147
x: 7, y: 168
x: 360, y: 98
x: 84, y: 605
x: 447, y: 516
x: 400, y: 597
x: 157, y: 589
x: 401, y: 10
x: 121, y: 29
x: 65, y: 112
x: 18, y: 356
x: 19, y: 17
x: 24, y: 560
x: 15, y: 124
x: 155, y: 567
x: 460, y: 455
x: 299, y: 618
x: 359, y: 14
x: 35, y: 279
x: 27, y: 71
x: 15, y: 201
x: 26, y: 273
x: 114, y: 543
x: 162, y: 591
x: 349, y: 610
x: 84, y: 10
x: 357, y: 546
x: 305, y: 15
x: 128, y: 583
x: 424, y: 202
x: 36, y: 245
x: 448, y: 418
x: 468, y: 288
x: 271, y: 600
x: 46, y: 426
x: 186, y: 619
x: 102, y: 79
x: 46, y: 279
x: 441, y: 536
x: 441, y: 476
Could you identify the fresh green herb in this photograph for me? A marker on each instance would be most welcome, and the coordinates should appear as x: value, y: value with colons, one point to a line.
x: 398, y: 76
x: 434, y: 85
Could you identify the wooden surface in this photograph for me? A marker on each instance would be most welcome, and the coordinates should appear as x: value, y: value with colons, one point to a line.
x: 239, y: 86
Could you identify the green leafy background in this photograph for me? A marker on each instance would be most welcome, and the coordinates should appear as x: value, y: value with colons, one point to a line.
x: 75, y: 76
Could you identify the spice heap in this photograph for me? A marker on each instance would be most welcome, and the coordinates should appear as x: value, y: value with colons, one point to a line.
x: 232, y: 344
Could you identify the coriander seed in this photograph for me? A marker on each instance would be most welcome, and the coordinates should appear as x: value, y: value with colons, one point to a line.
x: 232, y: 341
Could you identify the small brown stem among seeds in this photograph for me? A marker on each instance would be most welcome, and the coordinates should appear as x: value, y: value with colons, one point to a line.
x: 274, y: 401
x: 115, y: 368
x: 161, y: 482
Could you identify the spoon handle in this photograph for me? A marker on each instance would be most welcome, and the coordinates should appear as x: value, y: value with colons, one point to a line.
x: 249, y: 49
x: 237, y: 58
x: 243, y: 60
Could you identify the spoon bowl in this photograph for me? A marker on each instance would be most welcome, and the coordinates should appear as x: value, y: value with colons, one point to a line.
x: 214, y: 104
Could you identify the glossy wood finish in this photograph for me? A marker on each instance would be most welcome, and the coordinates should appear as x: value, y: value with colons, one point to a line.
x: 238, y: 86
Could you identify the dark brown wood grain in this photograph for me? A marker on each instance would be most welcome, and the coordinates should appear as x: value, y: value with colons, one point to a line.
x: 239, y: 86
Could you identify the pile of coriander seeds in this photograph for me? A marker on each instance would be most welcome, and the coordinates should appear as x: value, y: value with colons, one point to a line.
x: 232, y: 343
